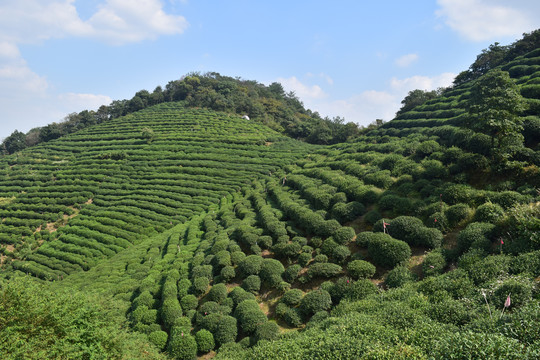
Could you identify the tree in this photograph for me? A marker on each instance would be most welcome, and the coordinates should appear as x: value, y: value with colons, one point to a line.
x: 15, y: 142
x: 494, y: 106
x: 417, y: 97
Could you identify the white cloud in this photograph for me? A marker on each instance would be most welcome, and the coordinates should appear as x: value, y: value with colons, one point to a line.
x: 406, y: 60
x: 481, y: 20
x: 304, y: 92
x: 369, y: 105
x: 26, y: 99
x: 116, y: 21
x: 422, y: 82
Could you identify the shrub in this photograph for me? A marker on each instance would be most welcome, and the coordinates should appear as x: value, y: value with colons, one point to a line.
x: 226, y: 330
x: 202, y: 271
x: 237, y: 257
x: 387, y: 251
x: 158, y: 338
x: 205, y: 341
x: 398, y: 276
x: 433, y: 264
x: 218, y: 293
x: 411, y: 230
x: 325, y: 270
x: 314, y: 301
x: 200, y: 285
x: 249, y: 315
x: 144, y: 298
x: 252, y: 283
x: 291, y: 273
x: 360, y: 269
x: 292, y: 297
x: 182, y: 346
x: 170, y: 311
x: 475, y: 233
x: 251, y: 265
x: 238, y: 295
x: 293, y: 317
x: 271, y: 271
x: 189, y: 302
x: 359, y: 290
x: 328, y: 246
x: 227, y: 273
x: 267, y: 331
x: 304, y: 258
x: 519, y: 288
x: 320, y: 258
x: 340, y: 253
x: 343, y: 235
x: 455, y: 214
x: 528, y: 263
x: 372, y: 216
x: 489, y: 213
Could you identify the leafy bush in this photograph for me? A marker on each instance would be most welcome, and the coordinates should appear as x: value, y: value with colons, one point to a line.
x: 344, y: 235
x: 398, y: 276
x: 476, y: 235
x: 251, y: 265
x: 267, y: 331
x: 227, y: 273
x: 455, y: 214
x: 291, y: 273
x: 271, y: 271
x: 226, y: 330
x: 200, y: 285
x: 170, y: 311
x: 218, y: 293
x: 360, y: 289
x: 340, y: 253
x: 519, y: 288
x: 293, y: 317
x: 159, y: 338
x: 314, y: 301
x: 252, y: 283
x: 238, y: 295
x: 489, y: 213
x: 249, y: 315
x: 412, y: 231
x: 325, y: 270
x: 304, y: 258
x: 372, y: 216
x: 205, y: 341
x: 433, y: 264
x: 360, y: 269
x: 292, y: 297
x: 387, y: 251
x: 189, y: 302
x: 182, y: 346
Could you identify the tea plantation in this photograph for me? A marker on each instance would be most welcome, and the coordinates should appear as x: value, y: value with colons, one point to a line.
x: 183, y: 232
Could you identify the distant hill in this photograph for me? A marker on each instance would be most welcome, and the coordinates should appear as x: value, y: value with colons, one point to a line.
x: 214, y: 235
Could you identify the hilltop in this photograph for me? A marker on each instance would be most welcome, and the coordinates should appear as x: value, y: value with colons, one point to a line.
x: 208, y: 233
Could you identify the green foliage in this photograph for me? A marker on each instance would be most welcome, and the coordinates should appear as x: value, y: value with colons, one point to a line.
x: 489, y: 213
x: 218, y: 293
x: 205, y: 341
x: 494, y: 104
x: 267, y: 331
x: 292, y: 297
x: 271, y: 271
x: 251, y: 265
x: 398, y: 276
x: 200, y: 285
x: 170, y: 311
x: 434, y: 263
x: 360, y: 269
x: 314, y: 301
x: 182, y: 346
x: 360, y: 289
x: 249, y: 316
x: 252, y: 283
x: 344, y: 235
x: 476, y: 235
x: 226, y: 330
x: 325, y: 270
x: 39, y: 323
x: 387, y: 251
x: 159, y: 338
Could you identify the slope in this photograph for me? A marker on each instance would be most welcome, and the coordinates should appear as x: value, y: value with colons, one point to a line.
x: 77, y: 200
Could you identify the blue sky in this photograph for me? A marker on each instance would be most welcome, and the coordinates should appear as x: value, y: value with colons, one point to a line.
x: 354, y: 59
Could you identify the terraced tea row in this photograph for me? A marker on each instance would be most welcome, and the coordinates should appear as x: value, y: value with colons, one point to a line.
x: 72, y: 202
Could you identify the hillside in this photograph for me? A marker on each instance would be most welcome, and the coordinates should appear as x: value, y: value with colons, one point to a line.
x: 208, y: 232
